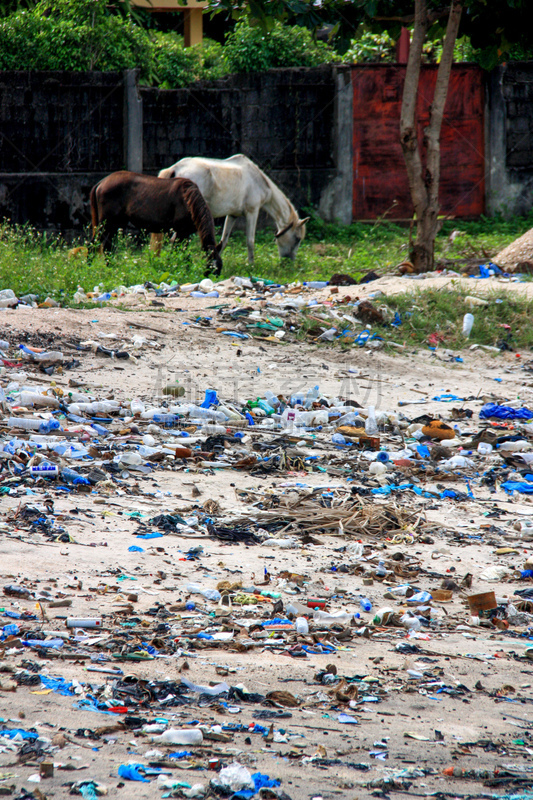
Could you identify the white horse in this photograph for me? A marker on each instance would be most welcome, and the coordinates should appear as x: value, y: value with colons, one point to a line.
x: 236, y: 187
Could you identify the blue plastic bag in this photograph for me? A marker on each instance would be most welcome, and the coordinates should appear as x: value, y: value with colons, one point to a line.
x: 504, y: 412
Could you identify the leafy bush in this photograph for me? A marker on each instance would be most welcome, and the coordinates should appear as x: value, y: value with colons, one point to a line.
x: 77, y: 35
x: 371, y: 47
x: 176, y: 65
x: 249, y: 49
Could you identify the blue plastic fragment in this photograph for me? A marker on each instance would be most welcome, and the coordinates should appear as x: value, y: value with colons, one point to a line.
x: 131, y: 772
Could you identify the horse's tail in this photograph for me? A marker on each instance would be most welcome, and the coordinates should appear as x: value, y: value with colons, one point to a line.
x: 202, y: 219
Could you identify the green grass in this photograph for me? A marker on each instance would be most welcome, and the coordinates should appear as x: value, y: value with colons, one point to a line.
x: 41, y: 263
x: 441, y: 312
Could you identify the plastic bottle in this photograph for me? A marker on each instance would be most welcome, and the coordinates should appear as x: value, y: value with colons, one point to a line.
x: 365, y: 604
x: 302, y: 626
x: 316, y: 284
x: 335, y: 618
x: 44, y: 470
x: 383, y: 456
x: 338, y: 439
x: 50, y: 425
x: 383, y: 616
x: 26, y: 398
x: 128, y: 459
x: 209, y: 594
x: 272, y: 399
x: 468, y: 322
x: 514, y: 447
x: 168, y: 420
x: 71, y: 476
x: 4, y: 345
x: 211, y: 429
x: 371, y: 426
x: 137, y: 406
x: 180, y: 736
x: 381, y: 570
x: 24, y: 423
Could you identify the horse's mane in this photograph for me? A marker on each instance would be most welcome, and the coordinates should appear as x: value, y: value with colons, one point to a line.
x: 200, y: 213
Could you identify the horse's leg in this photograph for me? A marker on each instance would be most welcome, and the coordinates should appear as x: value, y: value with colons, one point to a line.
x: 251, y: 224
x: 229, y: 222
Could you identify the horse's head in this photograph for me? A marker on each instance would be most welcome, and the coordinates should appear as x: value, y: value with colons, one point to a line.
x: 290, y: 237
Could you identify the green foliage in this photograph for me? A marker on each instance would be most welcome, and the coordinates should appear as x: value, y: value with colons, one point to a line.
x: 77, y: 35
x: 176, y: 65
x: 371, y: 47
x: 250, y: 49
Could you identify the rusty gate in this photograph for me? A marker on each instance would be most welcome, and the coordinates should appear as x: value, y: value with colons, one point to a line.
x: 380, y: 184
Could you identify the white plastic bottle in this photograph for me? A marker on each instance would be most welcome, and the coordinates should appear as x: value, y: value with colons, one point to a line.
x: 180, y: 736
x: 137, y: 406
x: 468, y: 322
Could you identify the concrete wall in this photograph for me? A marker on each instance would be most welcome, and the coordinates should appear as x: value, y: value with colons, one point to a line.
x: 510, y: 139
x: 62, y: 132
x: 59, y: 133
x: 281, y: 119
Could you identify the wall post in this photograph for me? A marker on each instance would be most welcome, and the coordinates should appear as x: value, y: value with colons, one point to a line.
x: 133, y: 122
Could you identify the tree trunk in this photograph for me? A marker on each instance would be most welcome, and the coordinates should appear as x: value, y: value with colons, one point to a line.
x: 424, y: 179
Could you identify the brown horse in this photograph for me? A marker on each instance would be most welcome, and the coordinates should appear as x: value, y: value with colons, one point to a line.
x: 153, y: 205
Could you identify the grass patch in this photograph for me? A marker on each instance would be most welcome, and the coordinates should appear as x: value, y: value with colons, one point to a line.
x: 435, y: 317
x: 42, y: 263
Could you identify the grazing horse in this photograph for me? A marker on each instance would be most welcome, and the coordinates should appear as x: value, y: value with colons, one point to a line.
x: 153, y: 205
x: 236, y: 187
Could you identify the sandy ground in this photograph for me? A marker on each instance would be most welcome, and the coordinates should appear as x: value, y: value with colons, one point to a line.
x: 486, y: 726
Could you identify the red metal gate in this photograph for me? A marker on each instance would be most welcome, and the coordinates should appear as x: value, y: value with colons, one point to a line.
x: 380, y: 177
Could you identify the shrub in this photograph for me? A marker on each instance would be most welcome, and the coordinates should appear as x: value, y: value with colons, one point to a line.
x: 176, y: 65
x: 76, y: 35
x: 250, y: 49
x: 371, y: 47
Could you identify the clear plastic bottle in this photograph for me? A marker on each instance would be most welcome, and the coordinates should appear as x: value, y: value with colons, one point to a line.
x: 137, y: 406
x: 381, y: 570
x: 365, y: 604
x: 209, y: 594
x: 74, y: 477
x: 186, y: 736
x: 335, y: 618
x: 371, y: 426
x: 128, y: 459
x: 302, y: 626
x: 272, y: 399
x: 24, y: 423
